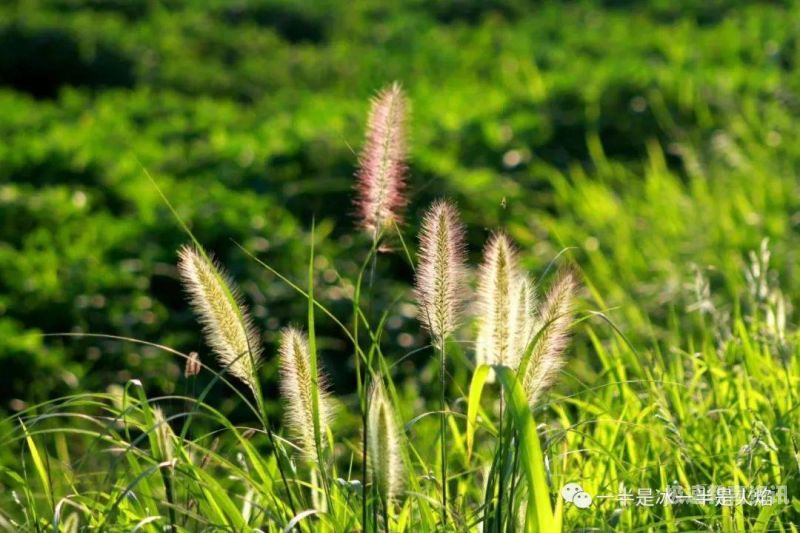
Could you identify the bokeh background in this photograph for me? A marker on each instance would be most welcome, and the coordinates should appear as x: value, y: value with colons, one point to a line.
x: 651, y: 140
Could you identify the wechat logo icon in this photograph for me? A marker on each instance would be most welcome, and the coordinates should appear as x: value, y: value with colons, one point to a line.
x: 574, y: 494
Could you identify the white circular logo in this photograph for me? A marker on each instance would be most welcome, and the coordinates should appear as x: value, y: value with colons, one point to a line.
x: 582, y: 500
x: 574, y: 494
x: 569, y: 491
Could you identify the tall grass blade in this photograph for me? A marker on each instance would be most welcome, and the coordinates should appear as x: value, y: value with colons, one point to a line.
x: 474, y: 403
x: 540, y: 513
x: 39, y: 465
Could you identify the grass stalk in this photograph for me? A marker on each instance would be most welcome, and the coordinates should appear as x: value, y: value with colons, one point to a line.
x: 443, y: 427
x: 502, y: 467
x: 361, y: 375
x: 312, y: 352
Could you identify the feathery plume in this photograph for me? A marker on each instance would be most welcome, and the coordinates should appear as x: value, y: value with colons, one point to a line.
x: 552, y: 328
x: 498, y: 277
x: 296, y: 388
x: 440, y: 284
x: 164, y: 436
x: 384, y: 444
x: 192, y: 367
x: 382, y: 163
x: 227, y: 326
x: 522, y: 318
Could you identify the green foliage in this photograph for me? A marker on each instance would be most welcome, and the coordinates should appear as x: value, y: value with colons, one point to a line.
x: 609, y: 134
x: 653, y: 141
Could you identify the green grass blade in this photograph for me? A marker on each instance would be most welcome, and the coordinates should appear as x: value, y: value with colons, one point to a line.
x: 531, y: 459
x: 312, y: 355
x: 38, y: 464
x: 474, y: 403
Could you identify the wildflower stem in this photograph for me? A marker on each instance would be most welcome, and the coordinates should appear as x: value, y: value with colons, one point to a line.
x: 443, y: 428
x: 312, y: 353
x: 374, y: 508
x: 280, y: 468
x: 514, y: 481
x: 262, y: 410
x: 501, y: 451
x: 385, y: 505
x: 361, y: 377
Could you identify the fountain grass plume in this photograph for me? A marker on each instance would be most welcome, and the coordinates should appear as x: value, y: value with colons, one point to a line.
x: 226, y: 323
x: 497, y: 281
x: 296, y: 386
x: 440, y: 280
x: 440, y: 292
x: 552, y: 331
x: 380, y: 190
x: 385, y: 460
x: 164, y: 436
x: 522, y: 318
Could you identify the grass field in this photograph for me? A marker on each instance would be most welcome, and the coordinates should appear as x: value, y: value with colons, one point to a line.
x: 643, y: 149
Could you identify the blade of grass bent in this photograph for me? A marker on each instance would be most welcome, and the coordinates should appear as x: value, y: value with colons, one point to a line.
x: 531, y: 459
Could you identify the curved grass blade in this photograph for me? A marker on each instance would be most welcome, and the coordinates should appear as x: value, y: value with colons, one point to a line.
x: 38, y: 463
x: 540, y: 513
x: 474, y: 403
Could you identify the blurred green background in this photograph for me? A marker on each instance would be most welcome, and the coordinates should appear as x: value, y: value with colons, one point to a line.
x: 652, y: 139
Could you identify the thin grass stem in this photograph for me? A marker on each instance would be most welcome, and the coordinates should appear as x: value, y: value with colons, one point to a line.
x: 443, y: 428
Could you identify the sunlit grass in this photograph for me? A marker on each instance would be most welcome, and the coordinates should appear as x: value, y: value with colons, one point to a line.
x: 719, y: 409
x: 684, y: 370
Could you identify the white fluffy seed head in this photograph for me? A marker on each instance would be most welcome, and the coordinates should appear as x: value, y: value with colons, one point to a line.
x: 226, y: 323
x: 552, y: 336
x: 498, y: 277
x: 383, y: 444
x: 440, y: 282
x: 297, y: 384
x: 164, y: 436
x: 522, y: 317
x: 382, y: 163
